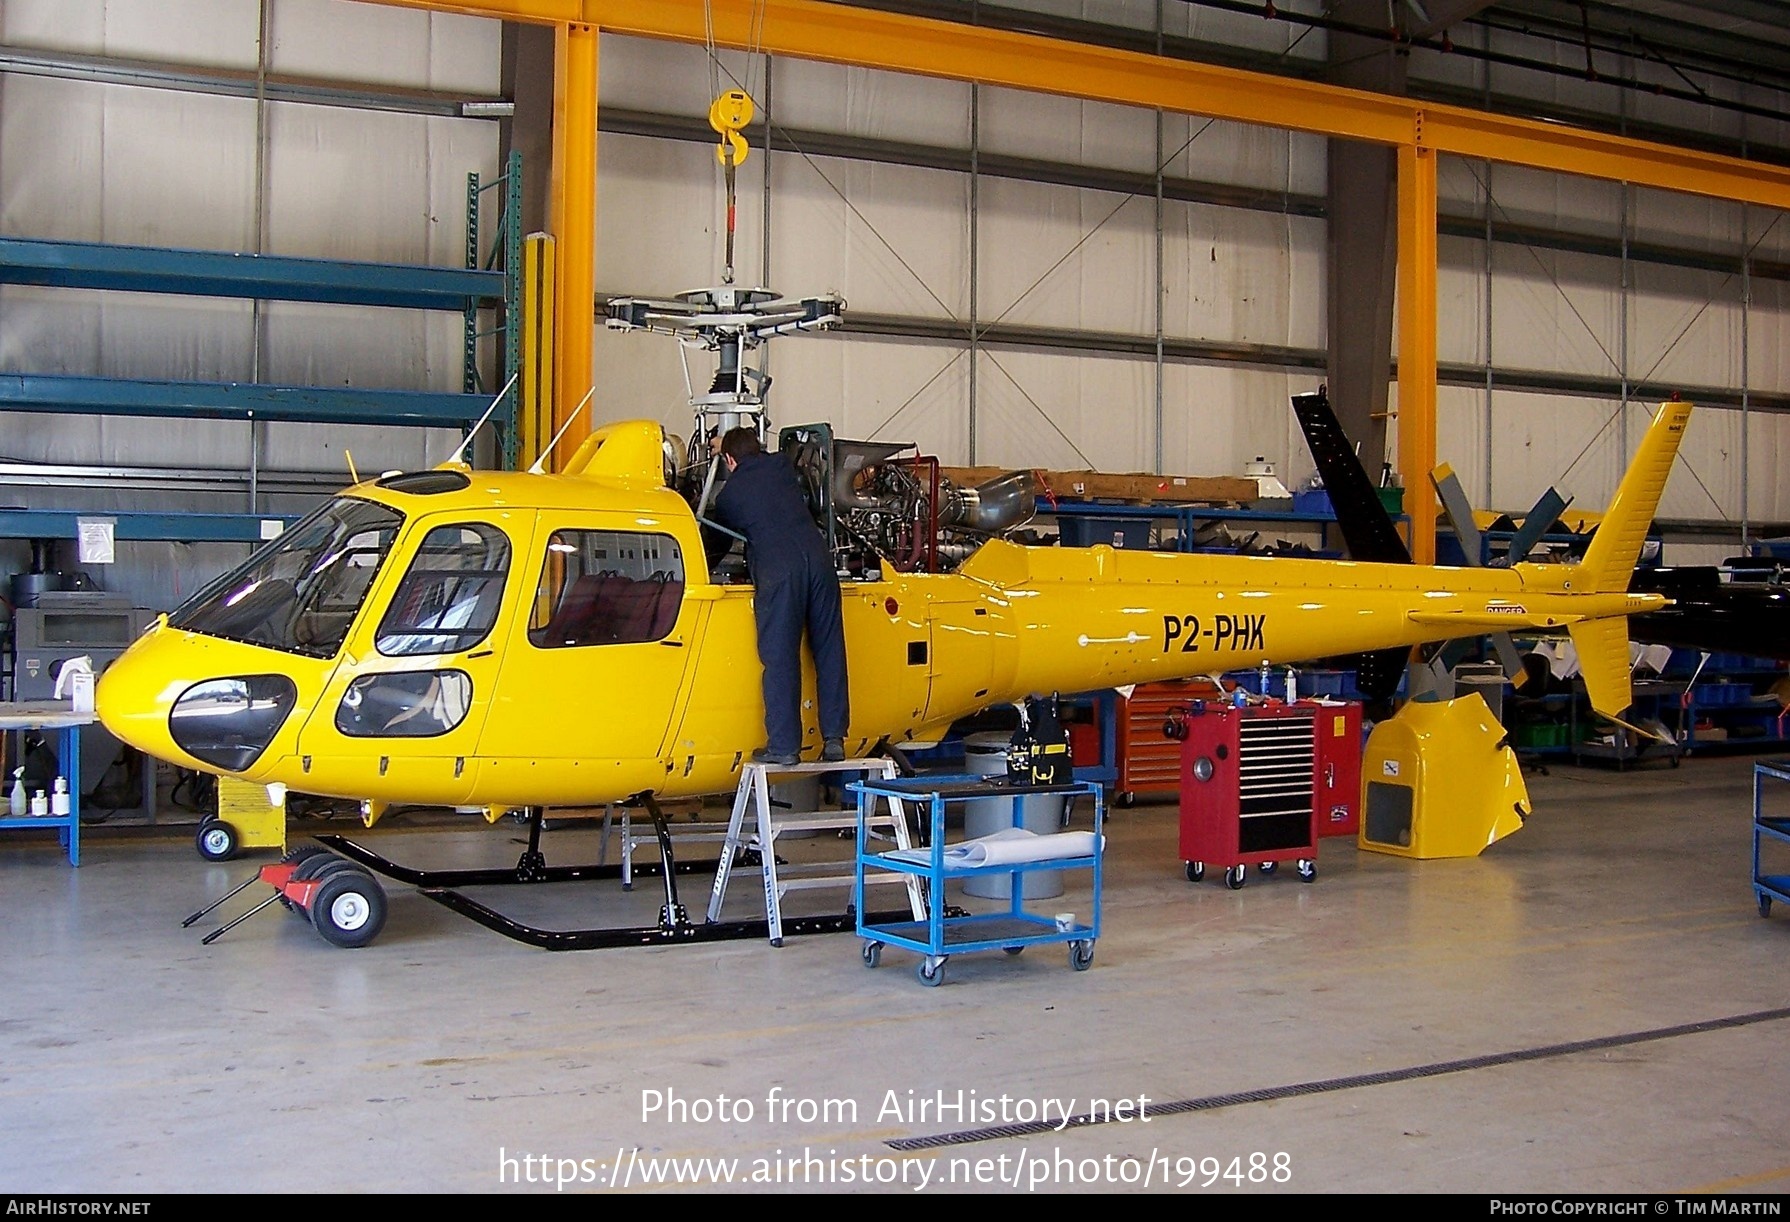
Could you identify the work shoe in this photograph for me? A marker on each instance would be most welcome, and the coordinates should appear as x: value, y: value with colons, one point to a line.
x: 833, y: 751
x: 764, y: 755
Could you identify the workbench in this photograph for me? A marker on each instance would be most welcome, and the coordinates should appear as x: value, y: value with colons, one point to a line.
x: 58, y: 716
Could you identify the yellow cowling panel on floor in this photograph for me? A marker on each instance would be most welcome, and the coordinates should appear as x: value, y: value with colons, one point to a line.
x: 1438, y: 781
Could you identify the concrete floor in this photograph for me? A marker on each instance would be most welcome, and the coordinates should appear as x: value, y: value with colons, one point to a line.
x: 1308, y: 1035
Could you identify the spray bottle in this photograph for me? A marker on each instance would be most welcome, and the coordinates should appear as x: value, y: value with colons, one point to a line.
x: 16, y: 800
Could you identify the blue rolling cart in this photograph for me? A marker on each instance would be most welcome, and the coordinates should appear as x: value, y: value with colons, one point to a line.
x: 1768, y: 887
x: 947, y: 931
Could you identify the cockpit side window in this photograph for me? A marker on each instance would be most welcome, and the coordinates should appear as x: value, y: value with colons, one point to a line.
x: 449, y: 599
x: 606, y: 587
x: 301, y: 592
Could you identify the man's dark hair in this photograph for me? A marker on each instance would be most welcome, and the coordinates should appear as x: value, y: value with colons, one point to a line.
x: 740, y: 443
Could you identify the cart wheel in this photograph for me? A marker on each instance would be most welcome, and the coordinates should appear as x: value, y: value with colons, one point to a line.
x: 1764, y: 904
x: 1013, y: 950
x: 1081, y: 955
x: 217, y: 840
x: 1308, y: 869
x: 1126, y: 799
x: 871, y: 953
x: 931, y: 971
x: 1195, y: 870
x: 1235, y: 877
x: 349, y: 909
x: 1268, y: 867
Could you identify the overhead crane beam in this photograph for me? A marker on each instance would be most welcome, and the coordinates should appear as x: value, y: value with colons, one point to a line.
x: 844, y: 33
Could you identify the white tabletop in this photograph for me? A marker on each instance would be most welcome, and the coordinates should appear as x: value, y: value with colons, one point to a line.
x: 42, y: 715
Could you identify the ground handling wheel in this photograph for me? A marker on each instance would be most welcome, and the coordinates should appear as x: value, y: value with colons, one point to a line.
x: 348, y: 908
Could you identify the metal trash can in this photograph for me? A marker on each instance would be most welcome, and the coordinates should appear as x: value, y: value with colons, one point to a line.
x: 986, y: 755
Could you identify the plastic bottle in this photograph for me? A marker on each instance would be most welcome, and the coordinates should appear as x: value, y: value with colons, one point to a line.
x: 1292, y: 686
x: 1267, y: 678
x: 40, y: 804
x: 16, y: 800
x: 59, y: 798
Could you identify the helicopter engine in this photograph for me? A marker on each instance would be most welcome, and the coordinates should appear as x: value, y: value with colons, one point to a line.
x: 885, y: 503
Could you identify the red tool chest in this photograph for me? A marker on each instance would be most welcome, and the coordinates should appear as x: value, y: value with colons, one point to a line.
x: 1262, y: 784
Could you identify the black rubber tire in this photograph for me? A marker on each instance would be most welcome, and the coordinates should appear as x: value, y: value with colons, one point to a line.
x: 1764, y: 905
x: 1268, y: 868
x: 318, y: 865
x: 1308, y: 870
x: 930, y: 974
x: 303, y: 852
x: 1194, y: 870
x: 871, y: 953
x: 1013, y: 950
x: 217, y: 840
x: 349, y: 908
x: 1126, y: 799
x: 1081, y: 955
x: 1235, y: 877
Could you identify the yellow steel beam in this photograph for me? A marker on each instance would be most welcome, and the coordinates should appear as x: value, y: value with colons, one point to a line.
x: 847, y: 34
x: 572, y: 215
x: 1417, y: 344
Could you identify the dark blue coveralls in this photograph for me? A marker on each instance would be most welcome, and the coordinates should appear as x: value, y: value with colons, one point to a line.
x: 796, y: 587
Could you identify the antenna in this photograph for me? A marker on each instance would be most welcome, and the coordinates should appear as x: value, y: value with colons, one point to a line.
x: 539, y: 467
x: 353, y: 475
x: 459, y: 454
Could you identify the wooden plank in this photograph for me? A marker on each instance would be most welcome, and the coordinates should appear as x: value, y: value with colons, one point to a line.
x: 1138, y: 486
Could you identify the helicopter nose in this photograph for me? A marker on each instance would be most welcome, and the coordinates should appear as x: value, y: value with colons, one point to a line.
x: 137, y: 691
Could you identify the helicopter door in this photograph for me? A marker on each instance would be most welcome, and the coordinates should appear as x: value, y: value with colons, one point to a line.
x: 407, y: 703
x: 591, y: 678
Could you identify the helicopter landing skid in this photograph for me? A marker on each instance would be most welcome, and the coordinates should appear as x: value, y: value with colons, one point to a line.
x: 666, y: 933
x: 674, y: 925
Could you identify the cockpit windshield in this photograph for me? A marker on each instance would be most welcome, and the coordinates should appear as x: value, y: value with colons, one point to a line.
x: 300, y: 594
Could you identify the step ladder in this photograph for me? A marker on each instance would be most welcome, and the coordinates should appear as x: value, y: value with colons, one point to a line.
x: 632, y: 837
x: 754, y: 794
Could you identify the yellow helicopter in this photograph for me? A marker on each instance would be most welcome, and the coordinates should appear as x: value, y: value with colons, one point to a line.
x: 524, y: 640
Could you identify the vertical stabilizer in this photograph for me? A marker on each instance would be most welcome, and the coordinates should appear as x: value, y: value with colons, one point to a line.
x: 1602, y: 646
x: 1610, y: 560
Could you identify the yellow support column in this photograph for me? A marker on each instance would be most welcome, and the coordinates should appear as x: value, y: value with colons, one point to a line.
x: 1417, y: 342
x: 538, y: 315
x: 574, y: 222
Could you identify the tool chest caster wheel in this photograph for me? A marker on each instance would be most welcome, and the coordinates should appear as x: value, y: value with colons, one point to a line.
x: 1195, y: 870
x: 872, y: 953
x: 1081, y: 955
x: 1235, y: 877
x: 931, y: 972
x: 1308, y: 870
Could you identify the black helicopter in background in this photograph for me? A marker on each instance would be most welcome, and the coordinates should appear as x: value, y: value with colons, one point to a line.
x: 1742, y: 607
